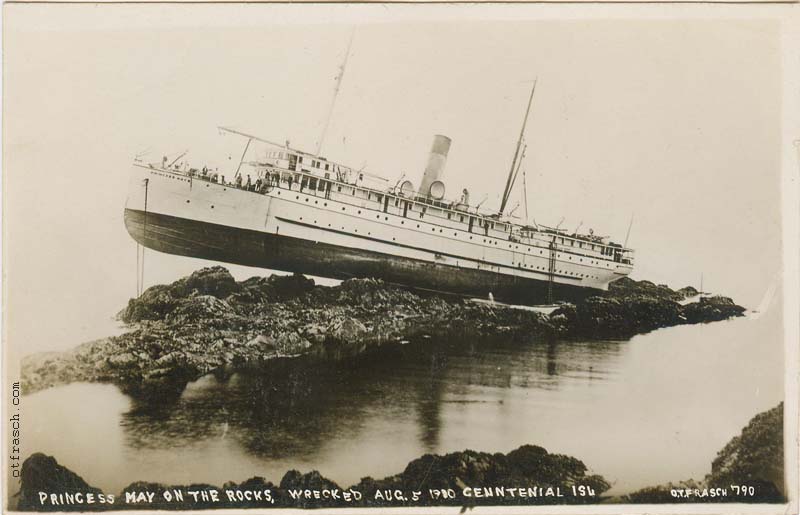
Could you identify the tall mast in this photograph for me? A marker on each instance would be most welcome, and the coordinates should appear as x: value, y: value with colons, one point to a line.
x: 509, y: 181
x: 335, y: 93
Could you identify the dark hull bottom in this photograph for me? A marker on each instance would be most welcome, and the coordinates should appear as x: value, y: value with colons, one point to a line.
x: 215, y: 242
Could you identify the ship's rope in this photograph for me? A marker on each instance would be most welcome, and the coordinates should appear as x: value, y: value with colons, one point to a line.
x: 140, y: 261
x: 138, y: 246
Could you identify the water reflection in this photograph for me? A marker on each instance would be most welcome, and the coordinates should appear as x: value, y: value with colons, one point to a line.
x: 292, y: 407
x: 675, y: 396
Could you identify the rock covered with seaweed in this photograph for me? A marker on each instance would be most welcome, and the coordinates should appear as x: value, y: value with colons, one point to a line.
x: 208, y: 320
x: 439, y: 480
x: 753, y: 460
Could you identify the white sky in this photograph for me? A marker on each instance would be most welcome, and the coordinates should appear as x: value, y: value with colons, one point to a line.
x: 677, y: 121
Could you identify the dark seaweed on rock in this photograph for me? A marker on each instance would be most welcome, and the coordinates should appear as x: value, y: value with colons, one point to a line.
x: 632, y: 307
x: 752, y: 459
x: 206, y: 321
x: 42, y: 473
x: 526, y: 467
x: 755, y: 457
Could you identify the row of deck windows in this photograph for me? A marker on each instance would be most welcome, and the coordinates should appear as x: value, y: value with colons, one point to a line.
x: 503, y: 227
x: 323, y: 185
x: 490, y: 241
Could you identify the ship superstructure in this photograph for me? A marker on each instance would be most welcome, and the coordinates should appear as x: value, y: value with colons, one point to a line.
x: 302, y: 213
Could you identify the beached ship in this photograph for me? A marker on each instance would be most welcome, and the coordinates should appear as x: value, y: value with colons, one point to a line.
x: 299, y: 212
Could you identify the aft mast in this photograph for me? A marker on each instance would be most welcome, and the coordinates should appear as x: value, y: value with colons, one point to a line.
x: 511, y: 173
x: 338, y: 79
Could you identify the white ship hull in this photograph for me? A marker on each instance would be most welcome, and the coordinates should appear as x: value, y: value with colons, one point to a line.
x: 330, y: 233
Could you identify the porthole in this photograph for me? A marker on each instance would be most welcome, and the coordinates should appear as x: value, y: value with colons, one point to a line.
x: 187, y: 201
x: 212, y: 207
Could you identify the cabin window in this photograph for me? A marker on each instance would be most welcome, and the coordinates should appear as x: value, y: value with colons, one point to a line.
x: 339, y: 189
x: 460, y: 218
x: 301, y: 159
x: 312, y: 183
x: 327, y: 166
x: 448, y: 216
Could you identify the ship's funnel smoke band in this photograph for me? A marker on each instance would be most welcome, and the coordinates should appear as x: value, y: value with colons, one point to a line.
x: 436, y: 161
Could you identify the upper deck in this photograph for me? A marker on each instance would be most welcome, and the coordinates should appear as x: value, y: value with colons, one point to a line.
x: 287, y: 169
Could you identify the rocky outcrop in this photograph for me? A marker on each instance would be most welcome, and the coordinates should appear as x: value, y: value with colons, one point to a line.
x: 439, y: 481
x: 526, y: 466
x: 632, y: 307
x: 711, y: 309
x: 208, y: 320
x: 754, y: 459
x: 42, y: 473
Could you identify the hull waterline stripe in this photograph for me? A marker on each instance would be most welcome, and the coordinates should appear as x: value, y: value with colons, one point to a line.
x: 411, y: 247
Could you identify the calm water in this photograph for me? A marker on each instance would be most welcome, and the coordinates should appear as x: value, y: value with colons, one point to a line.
x: 649, y: 410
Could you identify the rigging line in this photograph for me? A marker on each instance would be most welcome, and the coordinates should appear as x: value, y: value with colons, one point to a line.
x: 339, y: 77
x: 519, y: 165
x: 242, y: 159
x: 525, y: 194
x: 627, y: 235
x: 137, y: 269
x: 176, y: 159
x: 507, y: 190
x: 144, y: 232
